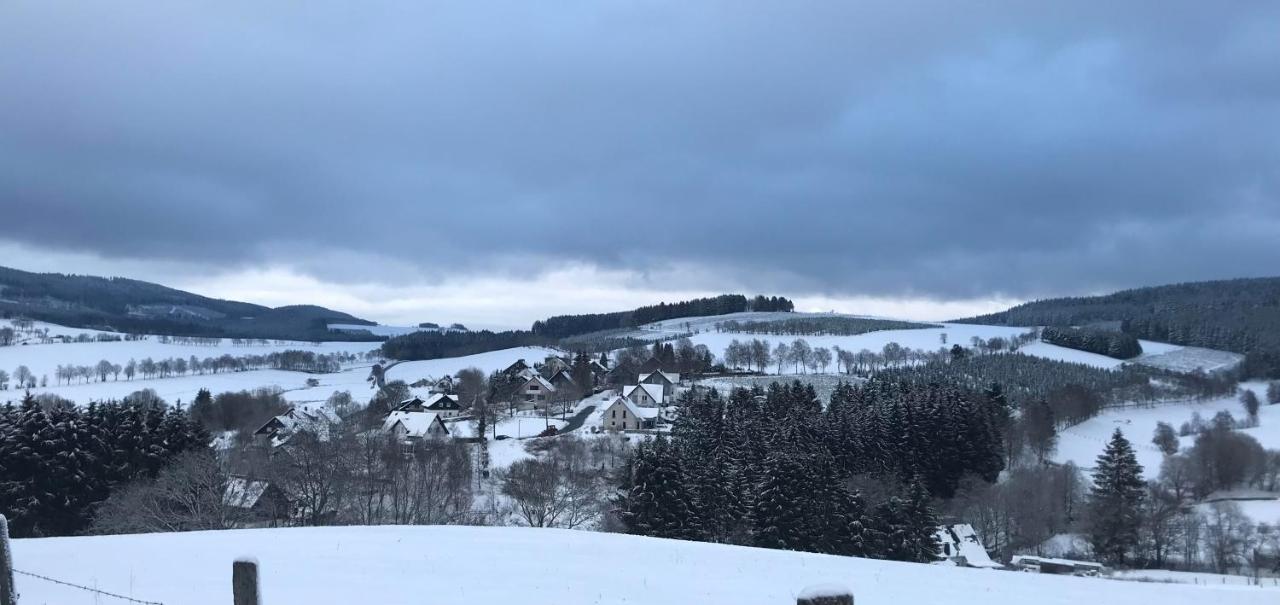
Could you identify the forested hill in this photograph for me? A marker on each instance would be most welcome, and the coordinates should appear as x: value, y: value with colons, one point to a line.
x: 1239, y: 315
x: 128, y: 305
x: 561, y: 326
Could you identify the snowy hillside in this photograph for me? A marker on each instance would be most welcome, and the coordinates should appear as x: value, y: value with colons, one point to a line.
x: 1083, y: 442
x: 43, y: 359
x: 500, y: 566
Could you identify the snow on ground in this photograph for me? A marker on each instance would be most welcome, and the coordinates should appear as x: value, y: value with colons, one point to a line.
x: 409, y: 565
x: 1188, y: 577
x: 1187, y: 359
x: 1048, y: 351
x: 927, y: 339
x: 1084, y: 442
x: 43, y: 359
x: 1260, y: 510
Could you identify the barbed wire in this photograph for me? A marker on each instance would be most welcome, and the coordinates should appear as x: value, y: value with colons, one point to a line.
x: 101, y: 592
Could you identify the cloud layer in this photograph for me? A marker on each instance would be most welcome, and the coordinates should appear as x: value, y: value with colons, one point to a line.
x: 886, y: 149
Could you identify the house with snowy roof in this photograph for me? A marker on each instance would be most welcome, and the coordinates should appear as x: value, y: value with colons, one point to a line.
x: 443, y: 404
x: 516, y: 367
x: 959, y: 544
x: 256, y: 502
x: 624, y: 415
x: 644, y: 394
x: 277, y: 431
x: 407, y: 427
x: 553, y: 364
x: 667, y: 380
x: 563, y: 380
x: 536, y: 390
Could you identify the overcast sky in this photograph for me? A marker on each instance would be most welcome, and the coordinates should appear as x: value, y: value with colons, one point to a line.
x: 495, y: 162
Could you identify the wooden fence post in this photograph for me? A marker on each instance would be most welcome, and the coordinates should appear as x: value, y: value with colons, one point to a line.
x: 244, y: 582
x: 826, y: 594
x: 7, y: 596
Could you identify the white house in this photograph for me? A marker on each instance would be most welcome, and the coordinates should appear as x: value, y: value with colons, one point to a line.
x: 411, y: 426
x: 536, y: 390
x: 624, y: 415
x: 644, y: 394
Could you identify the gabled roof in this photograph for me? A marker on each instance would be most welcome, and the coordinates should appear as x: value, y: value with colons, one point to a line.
x: 670, y: 377
x: 443, y: 401
x: 416, y: 424
x: 563, y: 375
x: 654, y: 391
x: 517, y: 366
x: 242, y: 492
x: 639, y: 412
x: 410, y: 402
x: 297, y: 418
x: 540, y: 380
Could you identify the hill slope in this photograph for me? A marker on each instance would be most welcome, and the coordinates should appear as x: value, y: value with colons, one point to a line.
x: 127, y: 305
x: 1238, y: 315
x: 490, y: 566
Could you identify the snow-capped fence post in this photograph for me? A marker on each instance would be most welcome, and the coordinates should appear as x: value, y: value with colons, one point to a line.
x: 825, y: 594
x: 244, y: 582
x: 6, y: 565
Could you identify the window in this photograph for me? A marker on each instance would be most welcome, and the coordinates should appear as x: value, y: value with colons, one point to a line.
x: 624, y: 414
x: 613, y: 414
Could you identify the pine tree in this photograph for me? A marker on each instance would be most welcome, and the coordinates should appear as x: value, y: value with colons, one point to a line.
x: 1115, y: 502
x: 778, y: 519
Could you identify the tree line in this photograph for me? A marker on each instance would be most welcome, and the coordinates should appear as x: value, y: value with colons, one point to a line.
x: 839, y: 326
x: 561, y: 326
x: 61, y: 461
x: 1103, y: 342
x: 148, y: 368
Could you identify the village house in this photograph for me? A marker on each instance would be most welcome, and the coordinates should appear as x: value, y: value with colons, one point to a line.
x: 407, y: 427
x: 667, y: 380
x: 959, y: 544
x: 624, y: 415
x: 255, y: 502
x: 279, y: 429
x: 650, y: 365
x: 644, y: 394
x: 553, y: 364
x: 442, y: 404
x: 536, y: 390
x: 599, y: 369
x: 563, y: 380
x: 516, y: 367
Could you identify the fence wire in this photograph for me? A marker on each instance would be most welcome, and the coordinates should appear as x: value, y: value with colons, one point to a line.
x: 86, y: 588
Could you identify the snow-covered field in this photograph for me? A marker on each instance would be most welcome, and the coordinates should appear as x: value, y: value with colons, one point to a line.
x: 1084, y: 442
x: 491, y: 566
x: 43, y: 359
x: 1188, y: 577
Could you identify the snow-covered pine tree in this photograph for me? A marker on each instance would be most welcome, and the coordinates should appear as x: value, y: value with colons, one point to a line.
x: 1115, y: 503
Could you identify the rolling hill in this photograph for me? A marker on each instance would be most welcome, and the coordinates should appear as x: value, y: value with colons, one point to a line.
x: 125, y: 305
x: 1237, y: 315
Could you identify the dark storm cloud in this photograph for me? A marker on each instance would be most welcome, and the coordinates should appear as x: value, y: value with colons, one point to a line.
x: 884, y: 148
